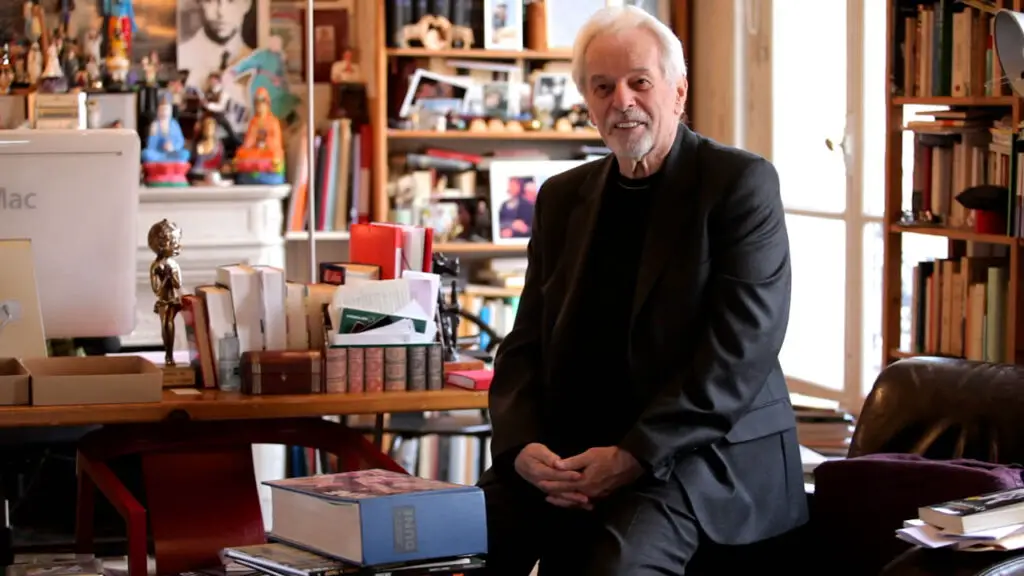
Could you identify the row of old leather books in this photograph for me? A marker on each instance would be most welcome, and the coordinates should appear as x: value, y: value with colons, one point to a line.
x: 384, y: 368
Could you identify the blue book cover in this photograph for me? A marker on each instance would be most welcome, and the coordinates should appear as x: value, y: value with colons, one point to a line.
x: 373, y: 517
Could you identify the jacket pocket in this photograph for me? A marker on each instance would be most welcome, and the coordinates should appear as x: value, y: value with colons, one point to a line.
x: 764, y: 420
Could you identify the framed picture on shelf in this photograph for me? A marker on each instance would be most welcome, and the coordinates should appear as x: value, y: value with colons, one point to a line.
x: 555, y: 93
x: 331, y: 43
x: 503, y: 29
x: 497, y: 100
x: 514, y: 188
x: 426, y: 85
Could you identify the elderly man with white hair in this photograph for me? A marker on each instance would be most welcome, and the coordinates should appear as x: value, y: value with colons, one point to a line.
x: 639, y: 408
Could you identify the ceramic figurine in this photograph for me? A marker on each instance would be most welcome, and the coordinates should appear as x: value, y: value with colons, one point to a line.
x: 33, y: 15
x: 121, y: 27
x: 92, y: 43
x: 215, y: 105
x: 165, y: 159
x: 344, y: 70
x: 150, y: 66
x: 208, y: 154
x: 52, y: 79
x: 6, y: 71
x: 260, y: 159
x: 118, y: 63
x: 93, y: 79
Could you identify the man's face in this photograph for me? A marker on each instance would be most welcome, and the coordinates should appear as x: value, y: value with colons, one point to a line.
x: 222, y: 19
x: 632, y: 103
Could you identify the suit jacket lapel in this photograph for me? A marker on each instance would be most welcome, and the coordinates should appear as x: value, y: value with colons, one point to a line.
x: 671, y: 199
x: 578, y: 236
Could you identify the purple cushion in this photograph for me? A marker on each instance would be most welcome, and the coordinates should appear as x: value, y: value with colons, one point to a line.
x: 859, y: 503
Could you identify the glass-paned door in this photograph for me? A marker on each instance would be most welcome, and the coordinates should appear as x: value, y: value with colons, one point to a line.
x: 827, y: 93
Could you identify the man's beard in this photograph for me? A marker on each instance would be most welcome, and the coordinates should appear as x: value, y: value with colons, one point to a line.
x: 638, y: 146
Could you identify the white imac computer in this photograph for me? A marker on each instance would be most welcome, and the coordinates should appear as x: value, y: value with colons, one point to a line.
x: 75, y: 195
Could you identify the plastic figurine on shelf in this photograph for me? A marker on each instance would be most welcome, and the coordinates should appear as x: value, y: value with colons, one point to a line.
x: 165, y: 159
x: 121, y: 18
x: 260, y: 158
x: 117, y: 63
x: 208, y: 153
x: 53, y: 79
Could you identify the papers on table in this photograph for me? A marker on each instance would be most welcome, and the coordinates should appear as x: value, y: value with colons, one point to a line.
x: 387, y: 312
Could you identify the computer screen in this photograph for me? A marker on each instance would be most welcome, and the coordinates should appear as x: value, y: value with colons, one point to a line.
x: 75, y: 195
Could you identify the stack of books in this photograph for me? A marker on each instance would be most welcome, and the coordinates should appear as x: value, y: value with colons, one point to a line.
x: 993, y: 521
x: 369, y: 522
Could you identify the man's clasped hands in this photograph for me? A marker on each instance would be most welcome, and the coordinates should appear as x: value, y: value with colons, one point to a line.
x: 578, y: 481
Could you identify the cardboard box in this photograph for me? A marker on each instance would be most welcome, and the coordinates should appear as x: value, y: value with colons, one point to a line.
x: 14, y: 383
x: 94, y: 380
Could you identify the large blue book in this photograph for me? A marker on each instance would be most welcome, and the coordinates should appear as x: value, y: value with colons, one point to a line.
x: 373, y: 517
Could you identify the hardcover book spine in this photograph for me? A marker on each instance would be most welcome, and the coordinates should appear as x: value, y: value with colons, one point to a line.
x: 337, y: 371
x: 417, y: 368
x: 408, y: 527
x: 356, y: 357
x: 396, y: 359
x: 374, y: 369
x: 435, y: 367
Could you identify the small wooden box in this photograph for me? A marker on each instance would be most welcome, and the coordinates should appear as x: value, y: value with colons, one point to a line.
x: 283, y: 372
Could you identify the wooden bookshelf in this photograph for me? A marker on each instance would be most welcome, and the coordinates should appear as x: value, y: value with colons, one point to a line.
x: 386, y: 140
x: 545, y: 135
x: 962, y: 240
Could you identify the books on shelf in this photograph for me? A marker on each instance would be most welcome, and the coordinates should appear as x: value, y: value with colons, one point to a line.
x: 958, y: 308
x: 946, y: 48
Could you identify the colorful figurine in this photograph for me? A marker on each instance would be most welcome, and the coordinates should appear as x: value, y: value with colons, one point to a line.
x: 165, y: 159
x: 260, y: 159
x: 121, y: 19
x: 208, y: 154
x: 118, y: 63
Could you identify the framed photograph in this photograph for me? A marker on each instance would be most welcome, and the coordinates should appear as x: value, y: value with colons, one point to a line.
x: 554, y: 93
x: 514, y: 188
x: 429, y: 85
x: 564, y: 18
x: 503, y: 29
x: 497, y: 100
x: 331, y: 41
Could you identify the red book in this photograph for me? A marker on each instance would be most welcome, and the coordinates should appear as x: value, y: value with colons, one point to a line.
x: 471, y: 379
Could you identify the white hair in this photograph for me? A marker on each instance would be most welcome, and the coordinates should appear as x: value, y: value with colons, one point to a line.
x: 615, y: 19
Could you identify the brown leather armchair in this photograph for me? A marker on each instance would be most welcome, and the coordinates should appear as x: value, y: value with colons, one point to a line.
x: 940, y: 409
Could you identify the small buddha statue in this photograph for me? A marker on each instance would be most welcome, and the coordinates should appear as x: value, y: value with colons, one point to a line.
x: 165, y: 159
x: 208, y: 154
x: 260, y: 158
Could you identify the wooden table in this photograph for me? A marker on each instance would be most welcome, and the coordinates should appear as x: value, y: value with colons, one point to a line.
x: 217, y: 405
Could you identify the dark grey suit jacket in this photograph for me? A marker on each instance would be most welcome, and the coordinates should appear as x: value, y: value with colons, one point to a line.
x: 708, y: 320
